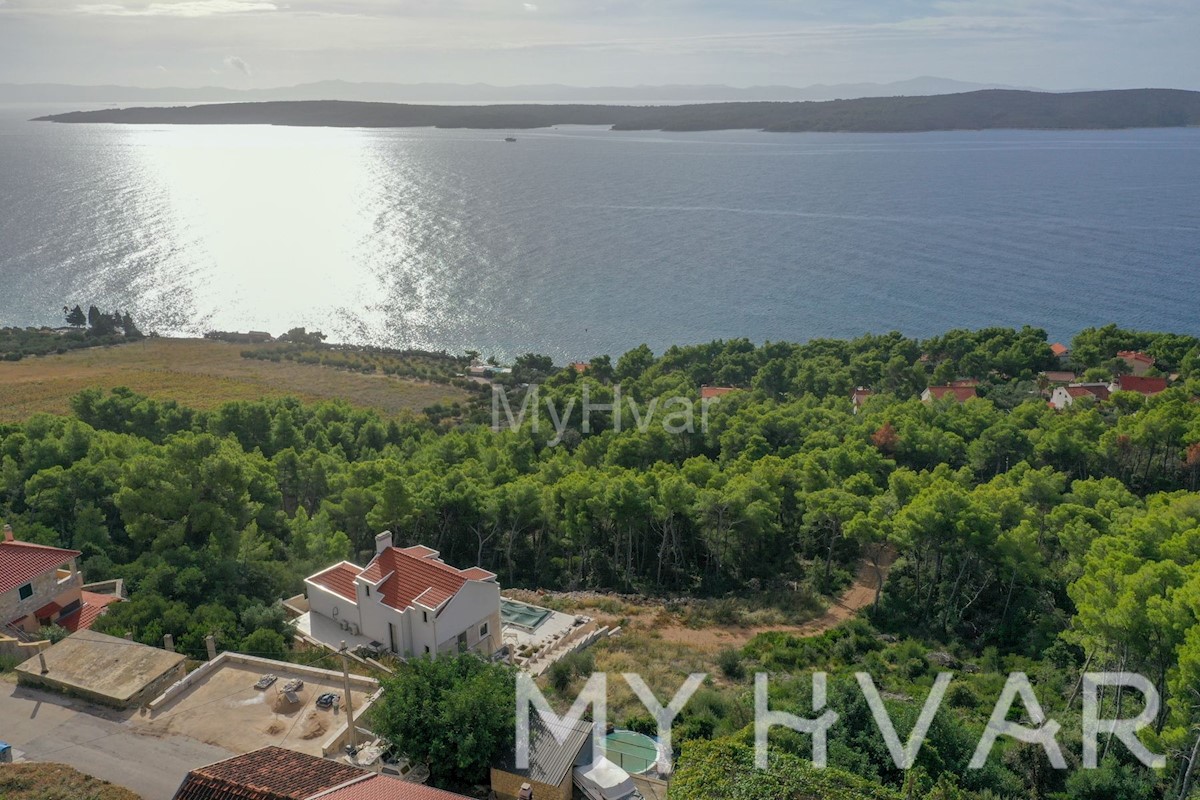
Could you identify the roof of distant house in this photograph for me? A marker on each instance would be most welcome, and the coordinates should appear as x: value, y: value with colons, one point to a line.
x: 1059, y: 376
x: 959, y: 393
x: 1098, y: 390
x: 1143, y: 384
x: 1134, y: 355
x: 407, y: 576
x: 1059, y: 349
x: 709, y: 392
x: 579, y: 366
x: 271, y: 773
x: 383, y: 787
x: 21, y: 562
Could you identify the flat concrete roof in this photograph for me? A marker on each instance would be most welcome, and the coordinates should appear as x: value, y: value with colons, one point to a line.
x: 102, y: 665
x: 224, y: 709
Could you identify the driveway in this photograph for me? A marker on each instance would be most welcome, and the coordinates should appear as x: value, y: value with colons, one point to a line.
x: 100, y: 742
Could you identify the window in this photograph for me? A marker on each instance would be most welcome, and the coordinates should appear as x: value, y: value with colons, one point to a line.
x: 26, y: 591
x: 483, y: 630
x: 425, y: 617
x: 368, y: 591
x: 426, y: 649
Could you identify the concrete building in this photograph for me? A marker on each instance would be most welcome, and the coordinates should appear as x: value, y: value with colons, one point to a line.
x: 407, y: 601
x: 103, y: 669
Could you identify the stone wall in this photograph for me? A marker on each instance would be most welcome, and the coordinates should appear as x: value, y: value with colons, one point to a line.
x: 46, y: 588
x: 506, y: 785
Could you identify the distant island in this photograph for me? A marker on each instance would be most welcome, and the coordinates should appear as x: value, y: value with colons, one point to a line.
x: 483, y: 93
x: 981, y: 110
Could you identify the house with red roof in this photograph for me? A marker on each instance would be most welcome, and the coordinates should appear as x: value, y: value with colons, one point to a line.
x: 1143, y: 385
x: 1060, y: 351
x: 713, y: 392
x: 273, y: 773
x: 42, y: 585
x: 1139, y: 363
x: 1064, y: 396
x: 407, y: 601
x: 859, y: 397
x: 959, y: 394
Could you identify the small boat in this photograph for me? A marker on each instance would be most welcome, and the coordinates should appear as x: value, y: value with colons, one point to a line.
x: 510, y: 138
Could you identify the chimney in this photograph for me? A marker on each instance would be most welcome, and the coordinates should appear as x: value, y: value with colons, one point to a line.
x: 8, y: 536
x: 526, y: 792
x: 383, y: 541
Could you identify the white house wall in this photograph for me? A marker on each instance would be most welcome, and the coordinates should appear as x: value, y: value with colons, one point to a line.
x: 476, y: 603
x: 328, y: 604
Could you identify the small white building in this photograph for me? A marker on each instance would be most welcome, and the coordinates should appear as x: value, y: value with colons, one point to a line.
x: 408, y: 601
x: 1065, y: 396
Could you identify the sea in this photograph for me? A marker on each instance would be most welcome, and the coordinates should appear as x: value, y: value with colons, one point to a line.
x: 579, y: 241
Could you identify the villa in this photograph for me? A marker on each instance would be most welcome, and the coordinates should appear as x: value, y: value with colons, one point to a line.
x: 406, y: 601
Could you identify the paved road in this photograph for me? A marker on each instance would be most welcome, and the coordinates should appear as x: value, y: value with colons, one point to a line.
x: 100, y: 742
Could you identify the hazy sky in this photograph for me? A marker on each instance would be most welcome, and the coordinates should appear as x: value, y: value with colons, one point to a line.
x: 1055, y: 44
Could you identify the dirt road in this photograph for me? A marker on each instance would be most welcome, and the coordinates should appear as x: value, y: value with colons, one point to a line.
x: 859, y: 595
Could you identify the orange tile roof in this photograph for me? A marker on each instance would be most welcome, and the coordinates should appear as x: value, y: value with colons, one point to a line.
x: 408, y: 578
x: 382, y: 787
x: 1097, y: 390
x: 21, y: 562
x: 959, y: 393
x: 709, y: 392
x: 339, y: 579
x: 1142, y: 385
x: 91, y: 608
x: 1133, y: 355
x: 271, y: 773
x: 1059, y: 349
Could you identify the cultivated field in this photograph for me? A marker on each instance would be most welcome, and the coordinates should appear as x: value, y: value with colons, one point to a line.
x: 200, y: 374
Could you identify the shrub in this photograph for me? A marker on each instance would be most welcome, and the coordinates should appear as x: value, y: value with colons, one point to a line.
x: 730, y: 663
x: 642, y: 724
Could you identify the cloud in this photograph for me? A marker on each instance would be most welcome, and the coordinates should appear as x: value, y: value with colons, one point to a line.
x: 233, y: 62
x: 530, y: 7
x: 184, y: 8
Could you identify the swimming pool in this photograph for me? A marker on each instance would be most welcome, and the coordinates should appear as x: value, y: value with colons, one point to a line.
x: 631, y: 751
x: 521, y: 615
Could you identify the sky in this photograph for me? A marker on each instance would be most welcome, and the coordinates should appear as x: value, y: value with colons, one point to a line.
x: 1053, y: 44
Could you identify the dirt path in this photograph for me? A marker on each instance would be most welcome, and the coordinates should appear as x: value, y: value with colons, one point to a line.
x: 859, y: 595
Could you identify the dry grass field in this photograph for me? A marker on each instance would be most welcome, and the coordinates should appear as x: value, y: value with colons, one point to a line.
x: 201, y: 374
x: 56, y: 782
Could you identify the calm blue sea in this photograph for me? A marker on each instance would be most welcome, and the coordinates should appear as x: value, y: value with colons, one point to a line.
x: 579, y: 241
